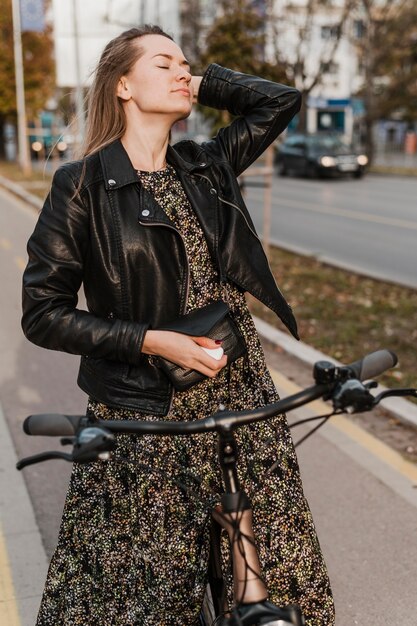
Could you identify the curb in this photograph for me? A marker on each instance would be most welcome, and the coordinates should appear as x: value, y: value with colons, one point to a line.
x: 23, y: 565
x: 401, y: 409
x: 18, y: 190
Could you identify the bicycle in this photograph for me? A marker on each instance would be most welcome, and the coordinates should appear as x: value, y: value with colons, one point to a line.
x: 94, y: 439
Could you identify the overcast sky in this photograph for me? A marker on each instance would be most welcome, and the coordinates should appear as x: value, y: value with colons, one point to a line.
x: 98, y: 21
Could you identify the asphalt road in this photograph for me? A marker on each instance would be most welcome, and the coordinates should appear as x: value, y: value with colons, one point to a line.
x: 367, y: 529
x: 367, y: 225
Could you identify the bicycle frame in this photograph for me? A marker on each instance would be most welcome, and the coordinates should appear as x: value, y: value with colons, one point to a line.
x: 235, y: 516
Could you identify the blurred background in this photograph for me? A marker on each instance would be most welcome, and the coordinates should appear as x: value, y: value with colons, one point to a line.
x: 355, y: 62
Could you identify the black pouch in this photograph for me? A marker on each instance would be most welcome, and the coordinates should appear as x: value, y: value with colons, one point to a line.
x: 213, y: 321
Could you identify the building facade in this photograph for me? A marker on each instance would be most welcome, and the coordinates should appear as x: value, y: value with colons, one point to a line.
x: 320, y: 43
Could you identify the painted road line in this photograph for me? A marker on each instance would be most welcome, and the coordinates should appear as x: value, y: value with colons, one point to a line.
x: 9, y: 614
x: 381, y: 460
x: 362, y: 216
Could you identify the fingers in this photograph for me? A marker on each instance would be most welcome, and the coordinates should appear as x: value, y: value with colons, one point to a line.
x: 185, y: 351
x: 195, y: 84
x: 206, y: 342
x: 213, y: 364
x: 208, y: 366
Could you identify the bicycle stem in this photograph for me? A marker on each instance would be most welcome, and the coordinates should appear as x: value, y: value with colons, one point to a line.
x: 236, y: 517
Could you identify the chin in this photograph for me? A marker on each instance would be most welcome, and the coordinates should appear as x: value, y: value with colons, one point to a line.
x: 183, y: 115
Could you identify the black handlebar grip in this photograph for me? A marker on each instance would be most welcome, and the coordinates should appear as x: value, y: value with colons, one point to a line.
x: 373, y: 364
x: 52, y: 424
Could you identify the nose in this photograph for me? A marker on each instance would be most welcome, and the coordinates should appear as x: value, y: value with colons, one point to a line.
x: 184, y: 74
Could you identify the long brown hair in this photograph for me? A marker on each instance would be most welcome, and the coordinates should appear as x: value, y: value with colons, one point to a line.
x: 106, y: 120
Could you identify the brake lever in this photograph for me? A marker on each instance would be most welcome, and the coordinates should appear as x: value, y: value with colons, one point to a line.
x: 353, y: 396
x: 90, y: 444
x: 42, y: 456
x: 396, y: 392
x: 93, y: 443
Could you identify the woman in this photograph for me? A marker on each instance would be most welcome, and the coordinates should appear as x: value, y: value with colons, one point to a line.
x: 153, y: 231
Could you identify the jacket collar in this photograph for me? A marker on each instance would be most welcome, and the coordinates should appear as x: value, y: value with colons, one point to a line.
x: 117, y: 167
x: 191, y: 163
x: 118, y: 170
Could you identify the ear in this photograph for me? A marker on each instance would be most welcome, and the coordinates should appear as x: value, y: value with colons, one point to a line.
x: 122, y: 90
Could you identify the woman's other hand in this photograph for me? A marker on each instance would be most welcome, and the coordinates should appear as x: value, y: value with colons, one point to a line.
x: 183, y: 350
x: 195, y: 86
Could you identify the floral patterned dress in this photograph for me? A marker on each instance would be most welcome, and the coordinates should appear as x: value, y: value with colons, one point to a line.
x: 134, y: 538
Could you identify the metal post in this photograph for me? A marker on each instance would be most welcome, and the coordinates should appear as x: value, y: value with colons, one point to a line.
x: 79, y: 96
x: 269, y: 158
x: 23, y: 150
x: 142, y: 11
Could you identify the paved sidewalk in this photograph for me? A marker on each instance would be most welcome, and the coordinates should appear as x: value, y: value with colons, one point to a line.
x: 396, y: 160
x: 23, y: 563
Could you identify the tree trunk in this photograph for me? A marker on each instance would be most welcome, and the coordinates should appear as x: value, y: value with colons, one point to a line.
x: 369, y: 139
x: 2, y: 139
x: 302, y: 115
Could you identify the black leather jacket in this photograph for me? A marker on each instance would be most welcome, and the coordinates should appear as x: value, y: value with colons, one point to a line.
x: 108, y: 234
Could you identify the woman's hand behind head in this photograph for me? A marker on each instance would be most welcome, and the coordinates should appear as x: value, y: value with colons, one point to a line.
x: 195, y: 86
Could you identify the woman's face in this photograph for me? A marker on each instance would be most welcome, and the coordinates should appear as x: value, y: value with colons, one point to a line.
x: 160, y: 81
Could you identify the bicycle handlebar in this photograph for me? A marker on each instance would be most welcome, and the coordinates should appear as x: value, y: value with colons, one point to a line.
x: 55, y: 424
x: 372, y: 364
x: 67, y: 425
x: 52, y: 424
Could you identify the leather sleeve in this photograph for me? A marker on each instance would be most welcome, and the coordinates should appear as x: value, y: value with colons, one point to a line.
x: 263, y: 109
x: 53, y: 277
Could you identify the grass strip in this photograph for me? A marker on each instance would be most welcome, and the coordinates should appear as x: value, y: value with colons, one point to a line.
x: 37, y: 183
x: 346, y: 315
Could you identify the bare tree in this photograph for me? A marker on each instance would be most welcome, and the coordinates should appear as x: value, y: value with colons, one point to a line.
x: 307, y: 58
x: 388, y: 53
x: 191, y: 30
x: 236, y: 39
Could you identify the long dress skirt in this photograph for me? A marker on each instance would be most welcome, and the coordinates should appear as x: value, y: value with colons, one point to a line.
x: 134, y: 539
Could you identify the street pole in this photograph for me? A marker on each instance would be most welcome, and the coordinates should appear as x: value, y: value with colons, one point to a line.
x: 142, y: 11
x: 23, y: 149
x: 79, y: 96
x: 269, y: 163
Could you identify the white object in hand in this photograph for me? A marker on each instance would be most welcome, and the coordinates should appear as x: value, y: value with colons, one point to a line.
x: 215, y: 353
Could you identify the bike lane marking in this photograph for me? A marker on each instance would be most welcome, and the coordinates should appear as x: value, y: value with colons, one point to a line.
x: 9, y: 614
x: 338, y: 212
x: 379, y: 459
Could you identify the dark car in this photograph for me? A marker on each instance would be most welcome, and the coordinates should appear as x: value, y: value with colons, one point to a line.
x: 318, y: 155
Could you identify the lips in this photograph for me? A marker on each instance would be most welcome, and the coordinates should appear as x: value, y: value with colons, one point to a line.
x: 184, y: 92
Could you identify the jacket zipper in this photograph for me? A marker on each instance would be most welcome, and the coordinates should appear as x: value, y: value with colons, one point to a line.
x: 242, y: 214
x: 232, y: 205
x: 185, y: 254
x: 187, y: 282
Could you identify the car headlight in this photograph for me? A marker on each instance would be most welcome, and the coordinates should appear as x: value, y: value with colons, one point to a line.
x: 327, y: 161
x: 362, y: 159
